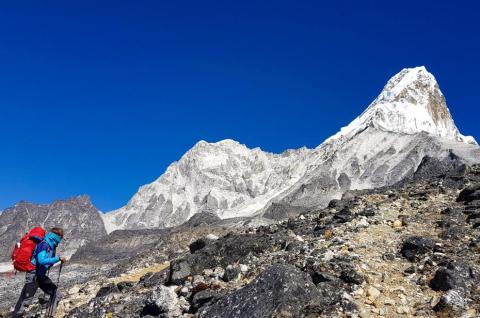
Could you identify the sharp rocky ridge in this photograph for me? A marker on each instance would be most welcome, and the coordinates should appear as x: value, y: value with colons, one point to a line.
x: 408, y: 122
x: 77, y: 215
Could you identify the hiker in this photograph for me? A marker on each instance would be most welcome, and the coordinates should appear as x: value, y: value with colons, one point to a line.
x: 43, y: 258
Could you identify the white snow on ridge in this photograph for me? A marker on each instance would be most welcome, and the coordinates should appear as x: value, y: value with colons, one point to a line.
x: 410, y: 103
x: 225, y: 178
x: 377, y: 148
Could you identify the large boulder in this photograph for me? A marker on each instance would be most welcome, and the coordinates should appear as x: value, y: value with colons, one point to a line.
x: 343, y: 216
x: 280, y: 291
x: 446, y: 279
x: 470, y: 193
x: 162, y: 302
x: 452, y: 304
x: 415, y: 247
x: 231, y: 249
x: 154, y: 279
x: 454, y: 276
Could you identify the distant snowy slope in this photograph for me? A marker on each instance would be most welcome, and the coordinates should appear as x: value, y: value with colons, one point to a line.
x: 386, y: 143
x: 225, y: 177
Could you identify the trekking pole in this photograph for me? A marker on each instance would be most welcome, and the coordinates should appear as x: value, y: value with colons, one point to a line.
x: 53, y: 297
x: 59, y: 272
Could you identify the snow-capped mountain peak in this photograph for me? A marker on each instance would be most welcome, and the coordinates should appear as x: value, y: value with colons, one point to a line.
x: 411, y: 102
x: 408, y: 121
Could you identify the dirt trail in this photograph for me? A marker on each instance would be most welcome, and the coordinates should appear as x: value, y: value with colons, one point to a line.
x: 389, y: 291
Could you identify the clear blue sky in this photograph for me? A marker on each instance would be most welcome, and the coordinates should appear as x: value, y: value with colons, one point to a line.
x: 98, y: 97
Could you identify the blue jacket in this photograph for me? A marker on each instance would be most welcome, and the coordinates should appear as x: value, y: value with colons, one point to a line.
x: 44, y: 255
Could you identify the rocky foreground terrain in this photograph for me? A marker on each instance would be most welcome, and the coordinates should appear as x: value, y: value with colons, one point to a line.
x: 410, y: 250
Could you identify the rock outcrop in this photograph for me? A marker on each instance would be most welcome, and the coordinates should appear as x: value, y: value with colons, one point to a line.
x: 78, y: 216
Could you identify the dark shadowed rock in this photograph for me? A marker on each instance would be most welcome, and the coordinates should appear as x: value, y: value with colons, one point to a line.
x: 106, y: 290
x: 198, y: 244
x: 334, y: 203
x: 351, y: 276
x: 155, y: 279
x: 201, y: 219
x: 125, y: 286
x: 229, y: 250
x: 446, y: 279
x: 282, y: 290
x: 203, y: 298
x: 416, y: 246
x: 344, y: 216
x: 279, y: 211
x: 450, y: 170
x: 470, y: 193
x: 368, y: 212
x: 454, y: 276
x: 322, y: 277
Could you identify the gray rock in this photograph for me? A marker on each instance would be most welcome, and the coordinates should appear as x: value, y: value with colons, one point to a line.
x: 179, y: 271
x: 279, y: 211
x: 231, y: 273
x: 79, y: 218
x: 118, y: 246
x: 452, y: 303
x: 231, y: 249
x: 162, y: 301
x: 282, y: 290
x: 201, y: 219
x: 155, y: 279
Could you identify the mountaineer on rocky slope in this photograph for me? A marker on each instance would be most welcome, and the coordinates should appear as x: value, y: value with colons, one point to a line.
x: 43, y: 259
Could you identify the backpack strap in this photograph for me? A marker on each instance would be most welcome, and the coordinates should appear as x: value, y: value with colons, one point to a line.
x: 42, y: 246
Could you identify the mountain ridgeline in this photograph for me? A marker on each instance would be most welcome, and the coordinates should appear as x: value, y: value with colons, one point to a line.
x: 407, y: 122
x: 80, y: 219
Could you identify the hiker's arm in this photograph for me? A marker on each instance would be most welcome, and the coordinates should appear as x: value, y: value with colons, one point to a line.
x: 43, y: 259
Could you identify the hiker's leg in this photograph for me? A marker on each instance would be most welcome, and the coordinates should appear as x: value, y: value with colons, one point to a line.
x: 26, y: 297
x: 54, y: 300
x: 50, y: 289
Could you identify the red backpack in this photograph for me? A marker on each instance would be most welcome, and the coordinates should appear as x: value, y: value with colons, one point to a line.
x: 23, y: 250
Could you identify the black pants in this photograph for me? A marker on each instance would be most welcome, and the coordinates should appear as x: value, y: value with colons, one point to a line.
x: 32, y: 283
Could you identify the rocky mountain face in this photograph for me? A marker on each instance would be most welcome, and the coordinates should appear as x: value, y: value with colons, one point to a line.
x: 408, y: 250
x: 407, y: 122
x: 225, y: 178
x: 80, y: 219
